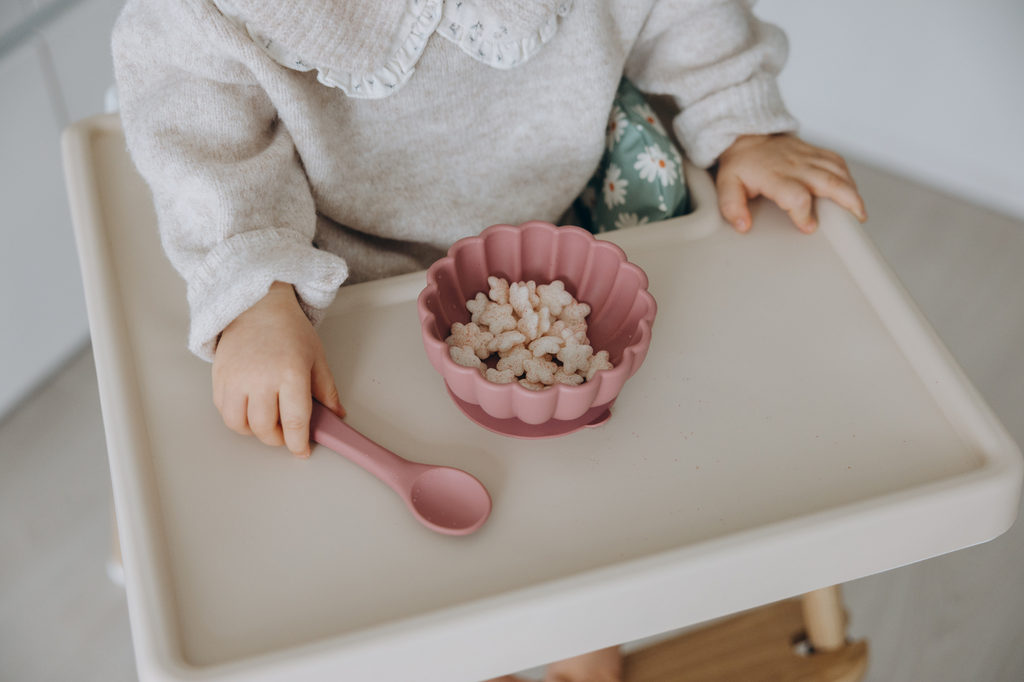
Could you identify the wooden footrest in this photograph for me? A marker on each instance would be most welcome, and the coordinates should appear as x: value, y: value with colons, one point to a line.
x: 755, y: 646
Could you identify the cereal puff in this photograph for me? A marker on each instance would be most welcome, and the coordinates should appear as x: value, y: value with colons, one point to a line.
x: 539, y: 370
x: 499, y: 290
x: 556, y: 329
x: 523, y: 297
x: 504, y: 341
x: 546, y: 344
x: 531, y: 324
x: 554, y: 297
x: 500, y: 377
x: 573, y: 379
x: 532, y: 385
x: 538, y: 332
x: 574, y: 313
x: 465, y: 357
x: 578, y: 331
x: 471, y: 337
x: 499, y: 318
x: 514, y: 360
x: 598, y: 362
x: 477, y: 307
x: 575, y: 356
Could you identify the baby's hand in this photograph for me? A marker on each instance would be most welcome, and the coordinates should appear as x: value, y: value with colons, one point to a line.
x: 268, y: 366
x: 786, y: 170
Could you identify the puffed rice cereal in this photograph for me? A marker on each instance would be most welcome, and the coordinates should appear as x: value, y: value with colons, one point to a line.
x: 538, y: 332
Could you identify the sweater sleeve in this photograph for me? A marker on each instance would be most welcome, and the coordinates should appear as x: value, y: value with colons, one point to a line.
x: 233, y: 204
x: 719, y: 63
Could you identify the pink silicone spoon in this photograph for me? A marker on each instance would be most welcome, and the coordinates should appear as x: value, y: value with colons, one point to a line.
x: 444, y: 499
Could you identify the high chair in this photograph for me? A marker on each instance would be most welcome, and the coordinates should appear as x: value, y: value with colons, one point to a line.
x: 797, y: 424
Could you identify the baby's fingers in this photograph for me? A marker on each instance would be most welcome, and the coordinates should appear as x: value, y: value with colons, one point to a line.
x: 832, y: 162
x: 263, y: 417
x: 296, y: 410
x: 732, y: 201
x: 234, y: 411
x: 795, y: 199
x: 837, y: 188
x: 324, y: 388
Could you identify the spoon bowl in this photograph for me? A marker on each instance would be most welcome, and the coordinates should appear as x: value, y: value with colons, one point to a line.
x: 449, y: 501
x: 444, y: 499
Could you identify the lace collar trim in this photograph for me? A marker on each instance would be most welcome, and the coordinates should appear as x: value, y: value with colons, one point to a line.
x: 479, y: 33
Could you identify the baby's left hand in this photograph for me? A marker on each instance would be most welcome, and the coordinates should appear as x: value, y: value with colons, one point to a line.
x: 788, y: 171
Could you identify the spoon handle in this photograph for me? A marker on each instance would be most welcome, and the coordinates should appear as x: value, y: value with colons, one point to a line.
x: 328, y: 429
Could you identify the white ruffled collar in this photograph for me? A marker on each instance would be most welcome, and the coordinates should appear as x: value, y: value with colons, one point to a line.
x: 499, y: 39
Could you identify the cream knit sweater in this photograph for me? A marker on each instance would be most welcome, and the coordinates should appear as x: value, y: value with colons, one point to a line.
x: 323, y: 141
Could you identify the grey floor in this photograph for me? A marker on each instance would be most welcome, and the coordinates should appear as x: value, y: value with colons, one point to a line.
x: 955, y: 618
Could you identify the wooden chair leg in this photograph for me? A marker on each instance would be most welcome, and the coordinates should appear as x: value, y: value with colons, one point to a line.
x: 761, y: 645
x: 825, y: 619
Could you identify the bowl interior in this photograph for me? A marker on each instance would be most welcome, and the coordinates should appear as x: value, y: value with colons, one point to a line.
x: 594, y: 272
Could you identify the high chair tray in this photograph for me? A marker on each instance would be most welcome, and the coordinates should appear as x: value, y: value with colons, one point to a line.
x: 796, y: 424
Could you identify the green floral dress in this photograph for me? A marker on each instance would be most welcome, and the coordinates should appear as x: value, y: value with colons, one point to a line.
x: 640, y: 179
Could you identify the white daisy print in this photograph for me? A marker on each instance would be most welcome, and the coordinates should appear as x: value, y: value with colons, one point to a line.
x: 648, y: 114
x: 625, y: 220
x: 616, y: 126
x: 654, y: 164
x: 614, y: 186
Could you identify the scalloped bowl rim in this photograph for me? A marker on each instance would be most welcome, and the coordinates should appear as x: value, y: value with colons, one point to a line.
x: 627, y: 365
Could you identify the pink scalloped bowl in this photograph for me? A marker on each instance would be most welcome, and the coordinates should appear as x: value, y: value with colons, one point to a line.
x: 595, y: 272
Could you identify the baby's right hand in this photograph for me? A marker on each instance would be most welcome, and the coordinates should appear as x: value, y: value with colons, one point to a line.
x: 268, y: 366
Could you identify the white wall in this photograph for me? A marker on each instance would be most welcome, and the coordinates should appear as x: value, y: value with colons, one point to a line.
x: 931, y: 89
x: 59, y: 76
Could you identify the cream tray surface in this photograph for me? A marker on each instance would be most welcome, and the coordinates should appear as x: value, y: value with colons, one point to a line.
x: 795, y: 424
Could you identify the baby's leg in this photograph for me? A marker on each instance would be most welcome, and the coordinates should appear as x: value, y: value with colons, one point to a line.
x: 603, y: 665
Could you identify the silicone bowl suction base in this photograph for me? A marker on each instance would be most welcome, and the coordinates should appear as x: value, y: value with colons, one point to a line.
x: 516, y: 428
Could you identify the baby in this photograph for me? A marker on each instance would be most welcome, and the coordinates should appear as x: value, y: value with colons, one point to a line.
x: 295, y: 146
